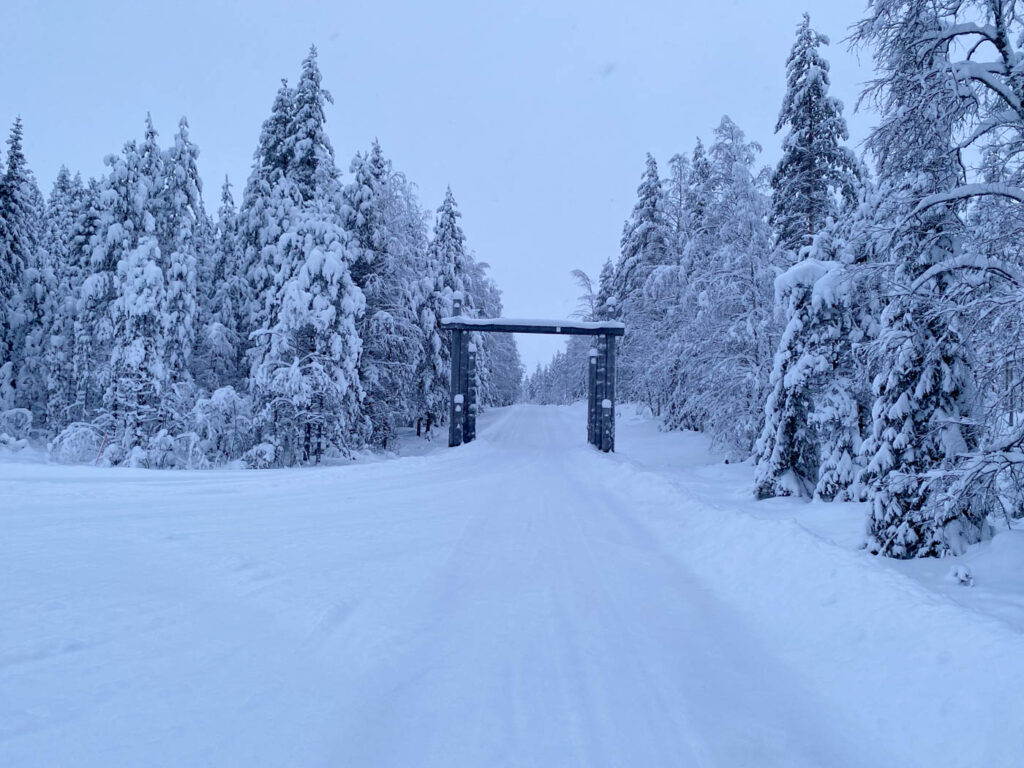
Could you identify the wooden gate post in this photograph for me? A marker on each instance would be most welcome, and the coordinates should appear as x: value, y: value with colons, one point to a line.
x: 459, y: 419
x: 592, y: 396
x: 599, y: 388
x: 464, y: 379
x: 470, y: 432
x: 608, y: 403
x: 455, y: 406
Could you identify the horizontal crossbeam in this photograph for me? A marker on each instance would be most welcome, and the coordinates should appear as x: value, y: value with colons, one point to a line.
x: 509, y: 325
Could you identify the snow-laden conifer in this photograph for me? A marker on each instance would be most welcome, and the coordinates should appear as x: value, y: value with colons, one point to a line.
x: 21, y: 218
x: 31, y: 291
x: 182, y: 224
x: 385, y: 268
x: 446, y: 269
x: 137, y: 376
x: 66, y: 200
x: 223, y: 297
x: 817, y: 173
x: 924, y: 380
x: 309, y: 157
x: 305, y: 377
x: 92, y: 331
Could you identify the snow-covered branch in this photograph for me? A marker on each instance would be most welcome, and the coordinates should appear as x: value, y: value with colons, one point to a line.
x: 968, y: 191
x: 971, y: 261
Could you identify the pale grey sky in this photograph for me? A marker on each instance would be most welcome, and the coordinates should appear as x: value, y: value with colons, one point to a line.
x: 537, y: 113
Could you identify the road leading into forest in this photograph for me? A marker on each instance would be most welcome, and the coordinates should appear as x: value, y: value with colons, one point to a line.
x: 520, y: 601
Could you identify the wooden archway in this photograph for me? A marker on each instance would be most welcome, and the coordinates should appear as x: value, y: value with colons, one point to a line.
x: 462, y: 406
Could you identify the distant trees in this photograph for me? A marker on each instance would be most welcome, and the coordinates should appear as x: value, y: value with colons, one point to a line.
x: 693, y: 285
x: 302, y: 324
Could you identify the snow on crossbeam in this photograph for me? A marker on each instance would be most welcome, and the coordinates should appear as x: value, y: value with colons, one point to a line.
x: 517, y: 325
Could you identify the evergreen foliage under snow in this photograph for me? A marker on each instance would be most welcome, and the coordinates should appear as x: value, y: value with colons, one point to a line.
x: 135, y: 329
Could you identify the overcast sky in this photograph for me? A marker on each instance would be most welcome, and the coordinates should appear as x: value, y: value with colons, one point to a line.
x: 537, y: 113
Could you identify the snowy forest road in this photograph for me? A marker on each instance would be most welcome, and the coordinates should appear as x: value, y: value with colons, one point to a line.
x: 557, y: 631
x: 520, y: 601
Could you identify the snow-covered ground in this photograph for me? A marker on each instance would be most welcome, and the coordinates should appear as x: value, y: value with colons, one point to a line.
x: 520, y: 601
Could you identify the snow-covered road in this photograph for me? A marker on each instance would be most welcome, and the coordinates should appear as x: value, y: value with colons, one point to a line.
x: 521, y: 601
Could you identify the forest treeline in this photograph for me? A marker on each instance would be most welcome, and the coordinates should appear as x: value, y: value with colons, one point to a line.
x: 853, y: 322
x: 303, y: 323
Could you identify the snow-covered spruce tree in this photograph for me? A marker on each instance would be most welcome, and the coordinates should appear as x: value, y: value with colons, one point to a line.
x: 603, y: 310
x: 223, y: 298
x: 815, y: 410
x: 12, y: 267
x: 698, y: 186
x: 293, y: 144
x: 308, y: 154
x: 645, y: 239
x: 843, y: 318
x: 180, y: 228
x: 817, y: 173
x: 152, y: 170
x: 923, y: 384
x: 62, y: 210
x: 10, y: 276
x: 305, y: 377
x: 665, y: 371
x: 787, y: 451
x: 645, y: 246
x: 384, y: 268
x: 273, y: 151
x: 661, y: 375
x: 815, y: 179
x: 304, y: 357
x: 25, y: 279
x: 432, y: 382
x: 92, y: 331
x: 447, y: 266
x: 128, y: 238
x: 39, y: 304
x: 259, y: 225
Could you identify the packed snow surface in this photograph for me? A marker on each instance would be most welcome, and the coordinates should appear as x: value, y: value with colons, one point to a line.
x: 524, y: 600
